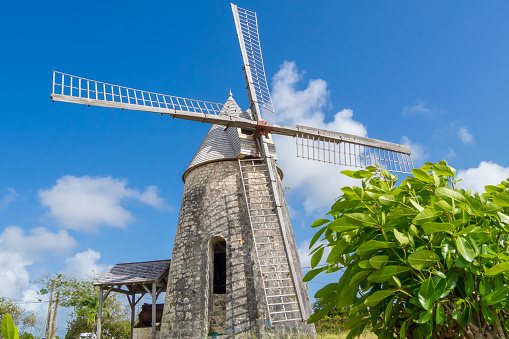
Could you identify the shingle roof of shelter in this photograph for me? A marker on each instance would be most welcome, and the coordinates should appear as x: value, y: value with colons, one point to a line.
x: 135, y: 273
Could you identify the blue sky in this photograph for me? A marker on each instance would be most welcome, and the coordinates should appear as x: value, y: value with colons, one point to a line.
x: 429, y: 74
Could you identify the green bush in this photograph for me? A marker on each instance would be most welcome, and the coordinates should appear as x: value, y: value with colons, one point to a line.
x: 418, y: 259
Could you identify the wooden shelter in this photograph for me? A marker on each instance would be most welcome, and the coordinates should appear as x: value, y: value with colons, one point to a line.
x: 134, y: 280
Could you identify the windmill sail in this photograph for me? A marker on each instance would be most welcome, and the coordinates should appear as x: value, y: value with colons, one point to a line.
x: 312, y: 143
x: 247, y: 32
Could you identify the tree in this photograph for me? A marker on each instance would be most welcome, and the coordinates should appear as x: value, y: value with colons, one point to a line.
x: 84, y: 301
x: 83, y: 298
x: 419, y: 260
x: 22, y: 318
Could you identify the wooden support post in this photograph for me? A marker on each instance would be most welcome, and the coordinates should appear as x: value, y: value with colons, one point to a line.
x: 154, y: 306
x: 100, y: 313
x: 133, y: 304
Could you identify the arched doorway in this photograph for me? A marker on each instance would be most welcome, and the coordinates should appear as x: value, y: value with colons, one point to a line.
x: 217, y: 317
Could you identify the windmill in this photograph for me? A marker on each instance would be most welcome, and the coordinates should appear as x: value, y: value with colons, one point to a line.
x: 235, y: 262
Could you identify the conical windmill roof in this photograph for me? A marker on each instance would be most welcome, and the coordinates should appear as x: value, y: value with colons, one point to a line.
x: 220, y: 143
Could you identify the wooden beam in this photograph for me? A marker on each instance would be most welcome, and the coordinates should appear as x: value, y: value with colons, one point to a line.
x: 99, y: 313
x: 154, y: 306
x: 133, y: 305
x: 303, y: 131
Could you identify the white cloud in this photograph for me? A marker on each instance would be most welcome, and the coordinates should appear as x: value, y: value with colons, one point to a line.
x: 488, y: 173
x: 83, y: 265
x: 39, y: 242
x: 8, y: 197
x: 451, y: 154
x: 84, y: 203
x: 419, y: 109
x: 320, y: 183
x: 17, y: 251
x: 305, y: 258
x: 465, y: 136
x: 419, y: 155
x: 13, y: 274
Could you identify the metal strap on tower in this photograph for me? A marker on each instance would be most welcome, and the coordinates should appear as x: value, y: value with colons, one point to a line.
x: 269, y: 241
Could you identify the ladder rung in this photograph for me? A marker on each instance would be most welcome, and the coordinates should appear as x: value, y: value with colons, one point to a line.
x: 284, y: 312
x: 280, y: 321
x: 252, y: 190
x: 277, y: 279
x: 257, y: 183
x: 263, y: 216
x: 253, y: 165
x: 282, y: 295
x: 261, y: 209
x: 275, y: 288
x: 290, y: 302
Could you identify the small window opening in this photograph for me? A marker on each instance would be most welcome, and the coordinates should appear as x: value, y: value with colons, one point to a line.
x: 219, y: 282
x: 246, y: 131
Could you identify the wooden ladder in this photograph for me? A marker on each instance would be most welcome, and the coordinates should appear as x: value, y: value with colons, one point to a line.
x: 271, y: 250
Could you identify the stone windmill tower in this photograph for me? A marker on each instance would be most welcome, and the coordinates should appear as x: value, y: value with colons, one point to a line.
x: 235, y: 267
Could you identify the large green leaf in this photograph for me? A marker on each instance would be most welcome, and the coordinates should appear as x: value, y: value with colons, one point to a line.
x: 330, y: 288
x: 360, y: 174
x: 319, y: 222
x: 424, y: 216
x: 337, y: 251
x: 387, y: 199
x: 447, y: 246
x: 353, y: 321
x: 378, y: 261
x: 358, y: 276
x: 488, y: 314
x: 469, y: 285
x: 490, y: 209
x: 442, y: 206
x: 376, y: 297
x: 498, y: 269
x: 445, y: 192
x: 373, y: 245
x: 465, y: 316
x: 402, y: 211
x: 386, y: 273
x: 8, y: 329
x: 422, y: 175
x: 316, y: 237
x: 402, y: 238
x: 465, y: 249
x: 360, y: 218
x: 440, y: 315
x: 425, y: 317
x: 313, y: 273
x: 320, y: 314
x: 341, y: 225
x: 501, y: 198
x: 430, y: 291
x: 496, y: 296
x: 315, y: 259
x: 434, y: 227
x: 388, y: 310
x: 422, y: 259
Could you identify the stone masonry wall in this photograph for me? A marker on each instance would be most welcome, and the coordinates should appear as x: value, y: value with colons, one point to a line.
x: 213, y: 205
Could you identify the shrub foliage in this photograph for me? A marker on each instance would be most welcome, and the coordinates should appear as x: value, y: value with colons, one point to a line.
x: 421, y: 259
